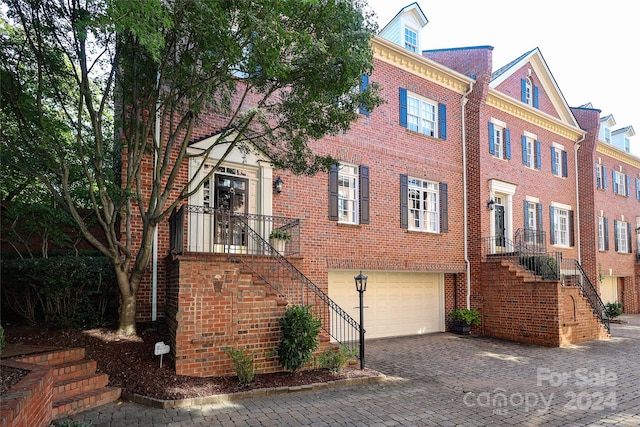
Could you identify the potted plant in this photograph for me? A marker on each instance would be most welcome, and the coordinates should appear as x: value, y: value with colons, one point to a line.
x: 462, y: 319
x: 278, y: 239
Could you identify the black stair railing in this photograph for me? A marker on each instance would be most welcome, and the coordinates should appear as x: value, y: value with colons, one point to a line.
x: 293, y: 285
x: 573, y: 274
x: 530, y: 255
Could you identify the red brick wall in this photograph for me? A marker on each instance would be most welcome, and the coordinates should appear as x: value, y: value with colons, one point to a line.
x: 213, y: 305
x: 595, y: 201
x: 28, y: 403
x: 532, y: 311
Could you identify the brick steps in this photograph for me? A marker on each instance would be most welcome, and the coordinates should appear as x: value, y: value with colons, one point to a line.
x: 76, y: 385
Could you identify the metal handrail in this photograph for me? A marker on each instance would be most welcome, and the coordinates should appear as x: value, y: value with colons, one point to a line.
x: 292, y: 284
x: 532, y: 256
x: 579, y: 278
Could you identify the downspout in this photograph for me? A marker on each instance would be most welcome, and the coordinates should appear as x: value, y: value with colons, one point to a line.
x: 463, y: 103
x: 577, y: 222
x: 154, y: 275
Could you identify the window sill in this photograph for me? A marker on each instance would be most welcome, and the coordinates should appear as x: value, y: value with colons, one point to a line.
x: 348, y: 225
x: 413, y: 230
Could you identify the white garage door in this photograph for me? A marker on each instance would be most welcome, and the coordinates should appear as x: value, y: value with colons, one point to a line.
x: 396, y: 303
x: 608, y: 289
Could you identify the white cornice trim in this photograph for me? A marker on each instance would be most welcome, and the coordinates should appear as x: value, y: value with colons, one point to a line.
x: 534, y: 116
x: 416, y: 64
x: 623, y: 156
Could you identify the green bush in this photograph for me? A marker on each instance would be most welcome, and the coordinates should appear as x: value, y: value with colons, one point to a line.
x: 73, y: 291
x: 245, y: 368
x: 614, y: 309
x: 336, y: 359
x: 300, y: 331
x: 466, y: 316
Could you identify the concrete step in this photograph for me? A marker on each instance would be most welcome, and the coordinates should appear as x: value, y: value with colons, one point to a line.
x: 83, y: 401
x: 71, y: 387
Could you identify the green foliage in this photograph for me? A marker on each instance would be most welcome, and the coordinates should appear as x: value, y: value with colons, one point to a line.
x: 467, y: 316
x: 245, y: 367
x: 280, y: 234
x: 73, y: 77
x: 614, y: 309
x: 335, y: 360
x: 2, y: 340
x: 300, y: 329
x: 542, y: 265
x: 72, y: 291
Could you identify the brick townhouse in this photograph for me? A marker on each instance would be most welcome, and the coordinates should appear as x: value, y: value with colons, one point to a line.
x: 460, y: 190
x: 610, y: 207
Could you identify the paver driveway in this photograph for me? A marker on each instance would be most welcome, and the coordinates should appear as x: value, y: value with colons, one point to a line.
x: 443, y: 380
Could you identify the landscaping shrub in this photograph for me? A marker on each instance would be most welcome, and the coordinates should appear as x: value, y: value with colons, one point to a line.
x: 300, y: 329
x: 244, y: 361
x: 335, y: 360
x: 2, y: 341
x: 614, y: 309
x: 73, y: 291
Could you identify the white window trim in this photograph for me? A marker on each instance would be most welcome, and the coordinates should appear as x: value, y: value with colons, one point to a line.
x: 622, y: 239
x: 422, y: 100
x: 355, y: 199
x: 406, y: 43
x: 601, y: 231
x: 559, y: 233
x: 425, y: 226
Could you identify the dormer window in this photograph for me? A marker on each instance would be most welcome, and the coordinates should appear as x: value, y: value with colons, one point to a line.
x: 627, y: 145
x: 527, y: 91
x: 410, y: 40
x: 607, y: 135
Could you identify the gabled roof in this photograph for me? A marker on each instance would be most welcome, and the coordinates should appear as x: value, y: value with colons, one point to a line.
x: 536, y: 61
x: 417, y: 13
x: 609, y: 119
x: 628, y: 130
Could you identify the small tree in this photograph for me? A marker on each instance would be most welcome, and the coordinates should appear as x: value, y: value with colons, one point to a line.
x: 95, y: 93
x: 300, y: 329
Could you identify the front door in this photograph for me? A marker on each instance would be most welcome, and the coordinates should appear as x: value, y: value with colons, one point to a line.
x: 231, y: 199
x: 500, y: 228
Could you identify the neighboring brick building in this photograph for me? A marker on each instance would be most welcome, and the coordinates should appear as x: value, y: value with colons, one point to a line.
x: 441, y: 195
x: 610, y: 208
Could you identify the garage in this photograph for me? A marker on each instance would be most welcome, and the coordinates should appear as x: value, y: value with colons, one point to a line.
x: 396, y: 303
x: 609, y: 289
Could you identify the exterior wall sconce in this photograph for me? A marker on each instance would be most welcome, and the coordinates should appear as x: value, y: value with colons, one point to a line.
x: 490, y: 204
x: 361, y: 287
x: 277, y: 185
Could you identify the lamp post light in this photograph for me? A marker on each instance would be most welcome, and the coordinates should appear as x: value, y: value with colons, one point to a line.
x: 361, y: 287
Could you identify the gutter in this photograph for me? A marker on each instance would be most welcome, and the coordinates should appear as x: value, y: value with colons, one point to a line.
x: 576, y: 147
x: 463, y: 103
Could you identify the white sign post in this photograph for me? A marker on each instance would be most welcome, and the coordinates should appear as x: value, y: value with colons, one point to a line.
x: 160, y: 349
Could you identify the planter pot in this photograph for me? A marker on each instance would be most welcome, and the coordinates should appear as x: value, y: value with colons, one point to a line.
x: 461, y: 328
x: 278, y: 244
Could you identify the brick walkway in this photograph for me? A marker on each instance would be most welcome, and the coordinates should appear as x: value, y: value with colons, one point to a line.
x: 443, y: 380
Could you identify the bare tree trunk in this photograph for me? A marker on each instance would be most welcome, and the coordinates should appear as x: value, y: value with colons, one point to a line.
x: 127, y: 324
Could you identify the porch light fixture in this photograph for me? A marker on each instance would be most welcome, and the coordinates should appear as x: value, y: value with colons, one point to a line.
x: 490, y: 204
x: 277, y: 185
x: 361, y: 287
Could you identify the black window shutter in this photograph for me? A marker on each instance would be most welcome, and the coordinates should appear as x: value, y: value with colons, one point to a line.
x: 444, y: 208
x: 526, y: 215
x: 404, y: 200
x: 606, y: 234
x: 333, y: 193
x: 364, y: 194
x: 629, y: 238
x: 571, y: 236
x: 507, y: 144
x: 535, y: 96
x: 565, y: 168
x: 523, y: 90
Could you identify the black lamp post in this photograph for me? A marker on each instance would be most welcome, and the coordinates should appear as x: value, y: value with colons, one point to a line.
x: 361, y: 287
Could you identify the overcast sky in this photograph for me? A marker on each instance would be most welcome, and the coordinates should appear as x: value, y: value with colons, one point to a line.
x: 591, y: 47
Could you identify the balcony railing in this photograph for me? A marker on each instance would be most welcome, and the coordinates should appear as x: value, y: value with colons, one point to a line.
x: 202, y: 229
